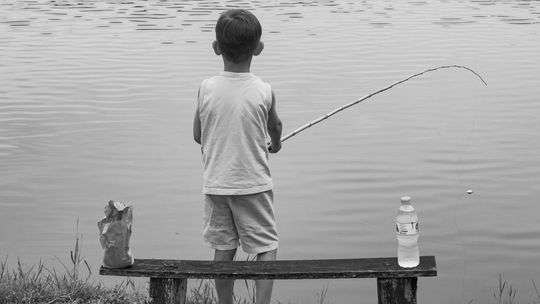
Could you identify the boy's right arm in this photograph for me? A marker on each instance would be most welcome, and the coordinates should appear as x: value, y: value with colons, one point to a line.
x: 197, y: 128
x: 197, y: 125
x: 274, y: 126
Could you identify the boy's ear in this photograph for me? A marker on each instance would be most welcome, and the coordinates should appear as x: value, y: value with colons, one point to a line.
x: 258, y: 48
x: 215, y: 46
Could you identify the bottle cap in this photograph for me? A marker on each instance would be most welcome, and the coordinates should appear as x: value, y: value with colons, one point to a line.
x: 405, y: 199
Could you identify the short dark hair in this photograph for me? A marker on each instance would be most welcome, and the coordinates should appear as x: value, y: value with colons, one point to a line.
x: 238, y: 33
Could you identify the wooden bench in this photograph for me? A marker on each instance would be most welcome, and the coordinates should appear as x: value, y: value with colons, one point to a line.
x: 168, y: 278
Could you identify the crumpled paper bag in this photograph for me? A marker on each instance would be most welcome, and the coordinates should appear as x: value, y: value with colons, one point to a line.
x: 114, y: 235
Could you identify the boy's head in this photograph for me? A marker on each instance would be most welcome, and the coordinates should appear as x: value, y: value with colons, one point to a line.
x: 238, y: 34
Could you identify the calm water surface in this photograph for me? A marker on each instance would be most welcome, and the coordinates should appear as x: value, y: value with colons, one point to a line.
x: 97, y: 100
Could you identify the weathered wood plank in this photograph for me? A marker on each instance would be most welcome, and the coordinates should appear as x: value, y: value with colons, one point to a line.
x: 276, y: 270
x: 396, y: 290
x: 168, y: 291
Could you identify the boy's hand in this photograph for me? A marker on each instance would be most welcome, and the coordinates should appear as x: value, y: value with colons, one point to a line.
x: 274, y: 148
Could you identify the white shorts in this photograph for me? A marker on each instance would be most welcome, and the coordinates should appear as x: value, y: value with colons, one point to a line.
x: 234, y: 220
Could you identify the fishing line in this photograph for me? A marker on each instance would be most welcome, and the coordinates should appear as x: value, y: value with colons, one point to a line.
x: 460, y: 162
x: 469, y: 191
x: 337, y: 110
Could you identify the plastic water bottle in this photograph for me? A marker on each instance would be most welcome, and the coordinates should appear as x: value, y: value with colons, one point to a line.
x: 407, y: 234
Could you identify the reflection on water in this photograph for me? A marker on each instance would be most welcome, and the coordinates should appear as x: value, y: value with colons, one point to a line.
x: 177, y: 15
x: 97, y: 99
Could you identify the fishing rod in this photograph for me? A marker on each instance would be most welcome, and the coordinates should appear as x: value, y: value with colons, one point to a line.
x: 337, y: 110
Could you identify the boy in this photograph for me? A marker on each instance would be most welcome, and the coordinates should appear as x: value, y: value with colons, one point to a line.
x: 236, y: 113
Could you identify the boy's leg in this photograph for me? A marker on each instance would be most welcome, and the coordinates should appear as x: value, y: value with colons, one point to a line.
x: 256, y: 225
x: 224, y: 288
x: 264, y: 287
x: 220, y: 233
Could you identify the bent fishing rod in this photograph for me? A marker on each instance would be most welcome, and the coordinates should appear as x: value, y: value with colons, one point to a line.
x: 337, y: 110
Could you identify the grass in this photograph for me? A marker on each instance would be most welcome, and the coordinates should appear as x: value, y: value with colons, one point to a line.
x: 40, y: 284
x: 506, y: 293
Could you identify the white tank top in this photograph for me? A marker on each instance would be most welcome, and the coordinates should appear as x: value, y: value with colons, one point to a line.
x: 233, y: 110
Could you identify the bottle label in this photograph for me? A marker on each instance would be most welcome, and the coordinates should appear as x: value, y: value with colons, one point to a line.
x: 407, y: 228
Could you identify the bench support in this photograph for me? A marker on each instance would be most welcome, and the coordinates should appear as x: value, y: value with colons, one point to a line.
x: 396, y: 290
x: 168, y: 291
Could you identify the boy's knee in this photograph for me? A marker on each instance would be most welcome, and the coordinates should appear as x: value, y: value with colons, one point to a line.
x: 267, y: 256
x: 224, y: 255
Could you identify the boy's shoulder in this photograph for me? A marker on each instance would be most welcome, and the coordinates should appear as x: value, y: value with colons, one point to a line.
x: 233, y: 75
x: 225, y: 77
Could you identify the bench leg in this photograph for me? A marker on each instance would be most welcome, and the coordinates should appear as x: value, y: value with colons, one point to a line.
x: 396, y: 290
x: 168, y: 291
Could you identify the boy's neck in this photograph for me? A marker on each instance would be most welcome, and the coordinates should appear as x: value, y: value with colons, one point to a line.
x: 238, y: 67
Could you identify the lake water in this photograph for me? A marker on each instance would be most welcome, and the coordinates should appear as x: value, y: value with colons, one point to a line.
x: 97, y: 99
